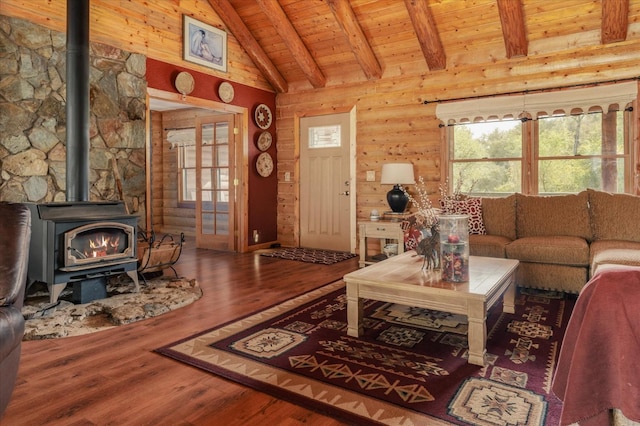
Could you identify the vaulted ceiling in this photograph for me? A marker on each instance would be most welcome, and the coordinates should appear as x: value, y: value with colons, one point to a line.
x: 319, y: 43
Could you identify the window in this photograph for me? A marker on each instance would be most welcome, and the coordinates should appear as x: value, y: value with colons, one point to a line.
x: 560, y: 149
x: 488, y: 157
x: 187, y: 173
x: 324, y: 137
x: 215, y: 167
x: 582, y: 151
x: 183, y: 141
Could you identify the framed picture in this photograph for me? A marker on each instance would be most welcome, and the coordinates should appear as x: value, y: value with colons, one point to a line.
x: 204, y: 44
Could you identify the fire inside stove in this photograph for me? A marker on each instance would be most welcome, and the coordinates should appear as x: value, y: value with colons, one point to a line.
x: 98, y: 242
x: 103, y: 245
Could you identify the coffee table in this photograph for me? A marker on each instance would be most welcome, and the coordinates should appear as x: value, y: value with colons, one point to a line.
x: 400, y: 279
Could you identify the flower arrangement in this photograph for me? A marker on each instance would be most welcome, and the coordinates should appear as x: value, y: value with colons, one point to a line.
x: 424, y: 239
x: 426, y: 215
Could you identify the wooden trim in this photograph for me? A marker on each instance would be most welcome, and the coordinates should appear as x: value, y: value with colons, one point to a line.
x: 147, y: 165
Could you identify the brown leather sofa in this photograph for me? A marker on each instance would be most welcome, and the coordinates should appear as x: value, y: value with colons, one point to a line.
x: 15, y: 236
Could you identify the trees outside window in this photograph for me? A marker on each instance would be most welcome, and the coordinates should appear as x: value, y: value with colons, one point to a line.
x: 548, y: 155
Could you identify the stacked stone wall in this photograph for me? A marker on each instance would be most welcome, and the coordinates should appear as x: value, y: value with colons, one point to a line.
x: 33, y: 118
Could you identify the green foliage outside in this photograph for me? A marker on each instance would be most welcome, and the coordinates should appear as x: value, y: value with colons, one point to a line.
x: 489, y: 157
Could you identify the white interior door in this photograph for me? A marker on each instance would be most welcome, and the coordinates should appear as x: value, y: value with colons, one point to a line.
x: 327, y: 199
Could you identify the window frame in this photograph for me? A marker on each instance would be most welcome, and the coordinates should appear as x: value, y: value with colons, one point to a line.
x: 530, y: 159
x: 182, y: 170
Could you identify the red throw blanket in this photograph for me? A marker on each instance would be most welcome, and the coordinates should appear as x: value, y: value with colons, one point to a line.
x: 599, y: 364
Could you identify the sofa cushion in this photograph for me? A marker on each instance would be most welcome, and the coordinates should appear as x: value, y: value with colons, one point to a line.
x: 614, y: 216
x: 488, y: 245
x: 572, y: 251
x: 612, y: 252
x: 565, y: 215
x: 499, y: 216
x: 471, y: 207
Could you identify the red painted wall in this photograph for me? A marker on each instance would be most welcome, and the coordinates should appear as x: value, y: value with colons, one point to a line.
x: 262, y: 191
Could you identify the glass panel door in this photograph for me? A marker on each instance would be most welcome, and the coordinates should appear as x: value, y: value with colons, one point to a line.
x: 214, y: 221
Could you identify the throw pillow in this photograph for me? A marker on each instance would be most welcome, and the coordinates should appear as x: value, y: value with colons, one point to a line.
x: 471, y: 207
x: 412, y: 234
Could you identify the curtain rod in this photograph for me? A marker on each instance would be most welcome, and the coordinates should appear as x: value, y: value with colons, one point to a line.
x: 524, y: 92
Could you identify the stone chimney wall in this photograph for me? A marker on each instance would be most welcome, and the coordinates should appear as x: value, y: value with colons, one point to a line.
x: 33, y: 118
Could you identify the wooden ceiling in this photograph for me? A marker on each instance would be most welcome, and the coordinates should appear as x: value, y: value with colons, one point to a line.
x: 320, y: 43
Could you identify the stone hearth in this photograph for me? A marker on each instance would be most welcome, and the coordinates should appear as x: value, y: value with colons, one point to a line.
x: 123, y: 306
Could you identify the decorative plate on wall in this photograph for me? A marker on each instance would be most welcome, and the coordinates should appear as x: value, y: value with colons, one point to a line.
x: 264, y: 141
x: 184, y: 83
x: 226, y: 92
x: 263, y: 116
x: 264, y: 164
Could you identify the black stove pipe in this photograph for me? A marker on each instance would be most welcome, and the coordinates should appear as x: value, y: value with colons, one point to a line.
x: 77, y: 100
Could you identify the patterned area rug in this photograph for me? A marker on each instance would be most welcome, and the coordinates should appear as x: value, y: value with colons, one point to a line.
x: 409, y: 368
x: 325, y: 257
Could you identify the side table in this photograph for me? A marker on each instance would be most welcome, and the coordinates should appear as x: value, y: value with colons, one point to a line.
x: 382, y: 229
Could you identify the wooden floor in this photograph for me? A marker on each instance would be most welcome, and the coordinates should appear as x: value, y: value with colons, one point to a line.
x: 114, y: 377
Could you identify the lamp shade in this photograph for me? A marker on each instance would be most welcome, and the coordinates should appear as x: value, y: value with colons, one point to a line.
x: 397, y: 173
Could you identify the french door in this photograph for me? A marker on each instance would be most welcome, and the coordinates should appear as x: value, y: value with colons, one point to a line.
x: 215, y: 191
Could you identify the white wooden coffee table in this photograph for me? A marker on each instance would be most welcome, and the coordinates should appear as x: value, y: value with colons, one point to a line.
x: 400, y: 279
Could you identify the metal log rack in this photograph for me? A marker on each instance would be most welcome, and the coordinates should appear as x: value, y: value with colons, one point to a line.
x: 157, y: 255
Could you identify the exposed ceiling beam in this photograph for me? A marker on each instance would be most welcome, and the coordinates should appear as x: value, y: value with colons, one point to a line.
x: 513, y: 27
x: 425, y: 28
x: 292, y: 40
x: 232, y: 20
x: 615, y: 19
x: 360, y: 47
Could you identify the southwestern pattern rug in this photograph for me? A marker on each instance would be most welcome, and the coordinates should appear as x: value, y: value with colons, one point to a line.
x: 325, y: 257
x: 409, y: 368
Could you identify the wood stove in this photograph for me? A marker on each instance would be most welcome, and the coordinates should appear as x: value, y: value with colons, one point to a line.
x: 75, y: 242
x: 80, y: 241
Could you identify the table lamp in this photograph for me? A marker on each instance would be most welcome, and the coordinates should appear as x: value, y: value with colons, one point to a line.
x: 397, y: 174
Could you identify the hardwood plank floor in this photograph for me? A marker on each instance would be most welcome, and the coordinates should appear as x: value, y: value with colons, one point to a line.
x: 113, y: 377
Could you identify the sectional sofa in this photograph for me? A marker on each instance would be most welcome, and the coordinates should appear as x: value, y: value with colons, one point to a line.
x: 559, y: 240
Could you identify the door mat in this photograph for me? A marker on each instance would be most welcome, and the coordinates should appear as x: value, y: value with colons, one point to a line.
x: 325, y: 257
x: 400, y: 371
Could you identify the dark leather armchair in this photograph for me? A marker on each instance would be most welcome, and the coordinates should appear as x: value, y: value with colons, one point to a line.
x: 15, y: 236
